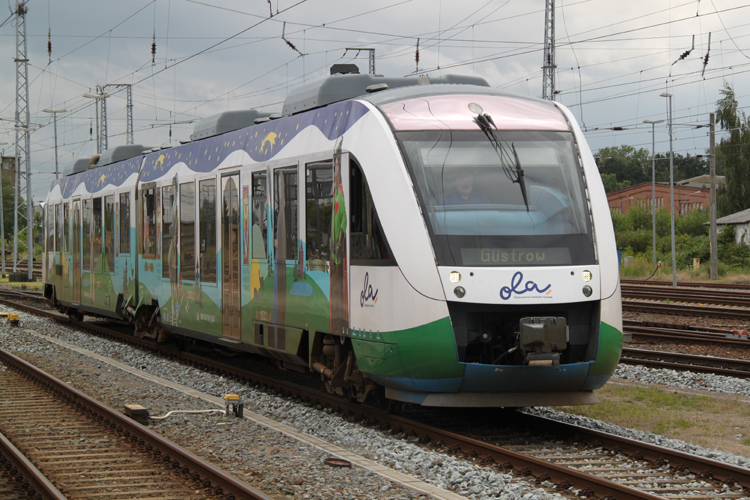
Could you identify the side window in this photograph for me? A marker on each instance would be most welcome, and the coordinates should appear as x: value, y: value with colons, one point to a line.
x: 149, y: 222
x: 187, y: 231
x: 318, y: 210
x: 86, y: 235
x: 260, y: 216
x: 168, y: 235
x: 50, y: 227
x: 66, y: 227
x: 285, y: 210
x: 58, y: 229
x: 207, y: 235
x: 125, y: 223
x: 367, y: 238
x: 109, y: 232
x: 97, y: 242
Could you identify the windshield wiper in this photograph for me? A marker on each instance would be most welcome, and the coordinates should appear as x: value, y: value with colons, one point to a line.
x: 511, y: 166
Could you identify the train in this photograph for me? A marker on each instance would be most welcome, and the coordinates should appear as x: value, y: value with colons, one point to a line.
x: 423, y: 240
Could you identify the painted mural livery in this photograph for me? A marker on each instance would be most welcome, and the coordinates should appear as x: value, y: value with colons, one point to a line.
x: 265, y: 238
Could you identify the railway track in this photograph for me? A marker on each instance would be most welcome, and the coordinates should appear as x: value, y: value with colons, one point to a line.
x: 731, y: 301
x: 659, y: 332
x: 641, y: 306
x: 571, y: 460
x: 88, y: 450
x: 686, y: 362
x: 692, y: 295
x: 20, y: 478
x: 693, y: 284
x: 23, y: 268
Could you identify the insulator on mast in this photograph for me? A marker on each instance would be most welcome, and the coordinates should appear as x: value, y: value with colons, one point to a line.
x: 153, y: 50
x: 416, y: 55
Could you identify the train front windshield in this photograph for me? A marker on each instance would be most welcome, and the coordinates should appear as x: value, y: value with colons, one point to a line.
x: 488, y: 205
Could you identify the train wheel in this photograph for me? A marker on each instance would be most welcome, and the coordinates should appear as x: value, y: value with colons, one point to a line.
x: 389, y: 406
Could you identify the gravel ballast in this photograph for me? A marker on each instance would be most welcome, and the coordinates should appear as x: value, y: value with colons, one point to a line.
x: 278, y: 465
x: 282, y: 466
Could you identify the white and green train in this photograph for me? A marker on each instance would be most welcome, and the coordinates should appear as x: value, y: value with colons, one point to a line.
x: 437, y: 242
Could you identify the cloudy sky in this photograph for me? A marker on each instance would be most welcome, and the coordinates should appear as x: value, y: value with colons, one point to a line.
x: 613, y: 61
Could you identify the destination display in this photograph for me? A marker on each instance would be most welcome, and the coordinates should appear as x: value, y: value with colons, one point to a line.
x: 515, y: 256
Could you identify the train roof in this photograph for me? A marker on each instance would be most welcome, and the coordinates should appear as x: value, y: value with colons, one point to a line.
x: 436, y: 87
x: 226, y: 122
x: 340, y: 87
x: 120, y: 153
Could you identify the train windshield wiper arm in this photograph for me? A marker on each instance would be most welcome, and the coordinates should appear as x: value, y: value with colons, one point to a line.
x: 511, y: 165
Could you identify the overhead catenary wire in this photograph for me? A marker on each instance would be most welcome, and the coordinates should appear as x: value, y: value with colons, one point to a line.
x: 584, y: 90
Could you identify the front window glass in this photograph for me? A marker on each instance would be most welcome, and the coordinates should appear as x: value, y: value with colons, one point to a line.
x: 478, y: 212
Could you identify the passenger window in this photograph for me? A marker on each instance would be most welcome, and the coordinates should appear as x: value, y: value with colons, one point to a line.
x: 58, y: 229
x: 50, y: 227
x: 125, y: 223
x: 66, y: 227
x: 367, y: 237
x: 259, y: 236
x: 285, y: 210
x: 207, y: 235
x: 149, y: 223
x: 168, y: 236
x: 97, y: 242
x: 109, y: 232
x: 187, y: 231
x: 87, y: 235
x: 319, y: 210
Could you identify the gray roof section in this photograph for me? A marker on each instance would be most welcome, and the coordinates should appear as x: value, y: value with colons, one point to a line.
x: 735, y: 218
x: 340, y: 87
x: 82, y: 164
x: 417, y: 91
x: 226, y: 122
x: 120, y: 153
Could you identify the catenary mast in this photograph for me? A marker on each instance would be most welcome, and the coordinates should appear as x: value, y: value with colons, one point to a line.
x: 548, y: 68
x: 23, y: 146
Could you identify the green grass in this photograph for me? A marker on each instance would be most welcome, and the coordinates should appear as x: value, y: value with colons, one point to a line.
x: 37, y: 286
x: 660, y: 411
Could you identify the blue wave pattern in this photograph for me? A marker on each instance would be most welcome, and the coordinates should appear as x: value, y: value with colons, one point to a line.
x: 98, y: 178
x: 261, y: 142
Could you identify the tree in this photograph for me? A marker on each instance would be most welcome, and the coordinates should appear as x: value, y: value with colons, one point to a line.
x: 611, y: 184
x: 626, y: 163
x: 733, y: 153
x: 8, y: 209
x: 685, y: 167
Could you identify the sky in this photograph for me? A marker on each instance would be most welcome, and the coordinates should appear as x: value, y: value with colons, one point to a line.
x: 613, y: 59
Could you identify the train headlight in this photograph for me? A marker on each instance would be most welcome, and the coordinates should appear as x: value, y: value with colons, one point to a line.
x: 459, y: 291
x: 586, y: 275
x: 587, y: 291
x: 454, y: 276
x: 475, y: 108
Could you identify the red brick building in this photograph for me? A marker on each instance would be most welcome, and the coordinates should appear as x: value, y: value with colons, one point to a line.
x: 689, y: 194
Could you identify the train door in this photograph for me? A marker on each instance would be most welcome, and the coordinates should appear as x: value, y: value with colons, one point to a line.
x: 76, y: 237
x: 340, y: 240
x: 230, y: 257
